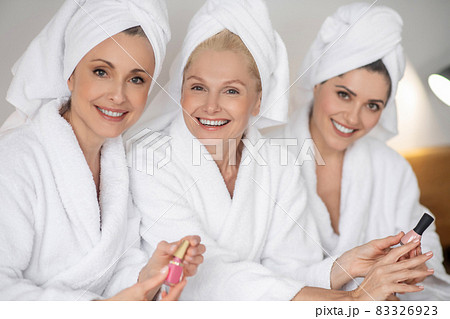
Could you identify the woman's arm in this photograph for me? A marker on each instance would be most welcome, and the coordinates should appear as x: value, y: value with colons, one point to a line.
x: 385, y: 278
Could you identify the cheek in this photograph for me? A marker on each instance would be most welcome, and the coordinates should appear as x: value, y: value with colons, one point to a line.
x: 329, y: 106
x: 188, y: 101
x: 371, y: 119
x: 138, y: 99
x: 85, y: 90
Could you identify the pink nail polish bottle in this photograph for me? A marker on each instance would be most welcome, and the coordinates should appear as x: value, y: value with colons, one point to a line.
x: 417, y: 232
x: 176, y: 267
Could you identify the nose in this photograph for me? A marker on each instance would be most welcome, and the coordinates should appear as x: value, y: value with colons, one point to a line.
x: 212, y: 104
x: 117, y: 93
x: 353, y: 115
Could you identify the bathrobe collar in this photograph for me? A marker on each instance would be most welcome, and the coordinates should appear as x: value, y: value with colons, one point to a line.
x: 75, y: 182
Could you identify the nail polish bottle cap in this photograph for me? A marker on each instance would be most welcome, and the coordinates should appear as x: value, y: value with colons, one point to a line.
x: 423, y: 224
x: 181, y: 251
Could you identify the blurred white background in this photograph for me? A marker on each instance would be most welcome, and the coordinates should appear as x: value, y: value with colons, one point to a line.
x: 423, y: 119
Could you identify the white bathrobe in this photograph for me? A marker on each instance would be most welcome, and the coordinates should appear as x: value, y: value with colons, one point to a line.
x: 379, y: 197
x: 57, y: 242
x: 256, y: 244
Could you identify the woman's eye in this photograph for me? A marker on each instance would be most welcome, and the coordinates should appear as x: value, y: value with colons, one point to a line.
x: 373, y: 106
x: 197, y: 88
x: 137, y: 80
x: 99, y: 72
x: 232, y: 91
x: 343, y: 94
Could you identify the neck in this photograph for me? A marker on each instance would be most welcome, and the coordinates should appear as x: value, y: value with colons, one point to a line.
x: 227, y: 153
x: 228, y: 162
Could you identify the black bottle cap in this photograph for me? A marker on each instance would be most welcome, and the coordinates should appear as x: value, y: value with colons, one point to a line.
x: 423, y: 224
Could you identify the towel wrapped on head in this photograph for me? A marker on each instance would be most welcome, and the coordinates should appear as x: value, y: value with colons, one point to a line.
x: 354, y: 36
x: 41, y: 74
x: 250, y: 21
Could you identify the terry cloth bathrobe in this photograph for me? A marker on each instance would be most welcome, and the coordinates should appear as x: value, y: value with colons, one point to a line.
x: 59, y: 239
x: 379, y: 191
x: 259, y: 242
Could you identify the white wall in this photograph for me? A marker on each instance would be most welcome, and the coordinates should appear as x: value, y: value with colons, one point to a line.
x: 426, y: 42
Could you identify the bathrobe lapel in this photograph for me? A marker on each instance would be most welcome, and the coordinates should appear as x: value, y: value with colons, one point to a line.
x: 222, y: 215
x: 356, y: 197
x: 78, y: 194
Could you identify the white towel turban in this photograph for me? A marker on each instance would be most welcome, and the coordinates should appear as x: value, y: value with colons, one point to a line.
x: 41, y: 74
x: 249, y: 19
x: 354, y: 36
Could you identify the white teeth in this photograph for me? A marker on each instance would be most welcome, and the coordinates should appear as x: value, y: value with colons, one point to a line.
x: 110, y: 113
x: 342, y: 128
x: 213, y: 123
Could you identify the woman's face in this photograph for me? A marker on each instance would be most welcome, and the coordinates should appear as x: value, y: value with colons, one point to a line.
x: 347, y: 107
x: 109, y: 89
x: 219, y: 95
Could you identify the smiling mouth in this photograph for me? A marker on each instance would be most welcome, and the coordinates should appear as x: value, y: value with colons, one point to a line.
x: 213, y: 123
x: 342, y: 128
x: 111, y: 113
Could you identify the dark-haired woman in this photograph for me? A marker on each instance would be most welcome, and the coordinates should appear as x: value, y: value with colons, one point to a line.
x: 359, y: 188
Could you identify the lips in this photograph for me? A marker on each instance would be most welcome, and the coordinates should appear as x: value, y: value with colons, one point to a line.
x: 111, y: 114
x: 212, y: 124
x: 343, y: 130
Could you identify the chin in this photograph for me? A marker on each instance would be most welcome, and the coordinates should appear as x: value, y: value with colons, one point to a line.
x: 110, y: 133
x: 339, y: 145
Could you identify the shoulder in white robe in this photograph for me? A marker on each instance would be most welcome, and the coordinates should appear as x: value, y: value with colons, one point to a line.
x: 53, y: 243
x: 258, y: 243
x: 379, y: 198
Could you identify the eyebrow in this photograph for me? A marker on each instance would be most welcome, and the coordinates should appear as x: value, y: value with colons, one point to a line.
x: 346, y: 88
x: 113, y: 67
x: 225, y: 83
x: 354, y: 94
x: 104, y: 61
x: 235, y: 81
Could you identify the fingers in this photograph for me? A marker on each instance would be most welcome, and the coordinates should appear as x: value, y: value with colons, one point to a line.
x: 165, y: 248
x: 196, y: 260
x: 389, y: 241
x: 409, y: 274
x: 415, y: 261
x: 405, y: 288
x: 395, y: 253
x: 190, y: 270
x: 392, y: 297
x: 194, y: 240
x: 153, y: 282
x: 175, y: 291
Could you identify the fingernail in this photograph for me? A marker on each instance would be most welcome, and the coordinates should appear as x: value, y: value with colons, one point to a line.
x: 420, y: 287
x: 430, y: 253
x: 430, y: 270
x: 164, y: 269
x: 173, y: 247
x: 416, y: 240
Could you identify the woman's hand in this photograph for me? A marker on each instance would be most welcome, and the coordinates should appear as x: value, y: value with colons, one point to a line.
x: 358, y: 261
x: 389, y: 275
x: 164, y: 254
x: 411, y: 254
x: 141, y: 290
